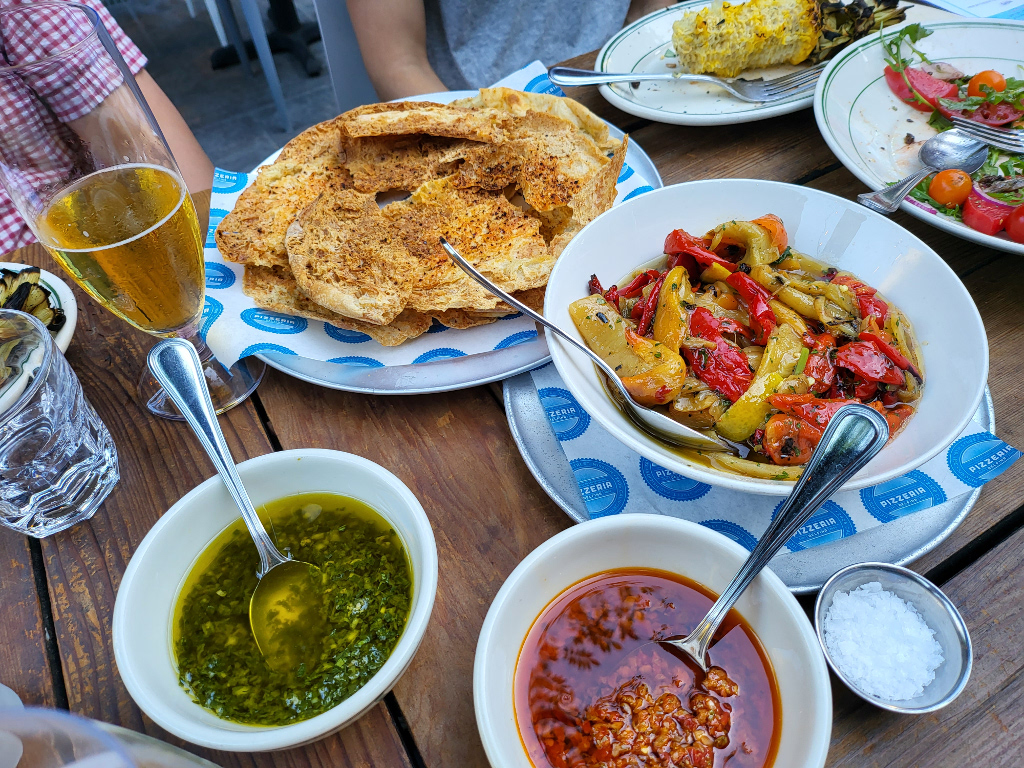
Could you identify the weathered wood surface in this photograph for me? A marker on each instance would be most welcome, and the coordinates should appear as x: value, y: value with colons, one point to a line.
x: 24, y: 666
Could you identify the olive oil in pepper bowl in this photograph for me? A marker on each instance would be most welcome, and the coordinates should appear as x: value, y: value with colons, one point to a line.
x: 155, y: 650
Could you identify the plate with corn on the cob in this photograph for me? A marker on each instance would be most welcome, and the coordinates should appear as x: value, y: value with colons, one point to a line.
x: 756, y: 39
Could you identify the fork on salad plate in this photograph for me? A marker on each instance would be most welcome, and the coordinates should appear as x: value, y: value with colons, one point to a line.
x: 1006, y: 139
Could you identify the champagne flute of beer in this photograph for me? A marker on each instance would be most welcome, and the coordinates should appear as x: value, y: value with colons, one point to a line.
x: 87, y: 167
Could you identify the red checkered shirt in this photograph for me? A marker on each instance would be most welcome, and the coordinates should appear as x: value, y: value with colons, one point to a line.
x: 71, y: 91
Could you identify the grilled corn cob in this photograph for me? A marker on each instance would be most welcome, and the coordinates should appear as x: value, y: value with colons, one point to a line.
x: 725, y: 39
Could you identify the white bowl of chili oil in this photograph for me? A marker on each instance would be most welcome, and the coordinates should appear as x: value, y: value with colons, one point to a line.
x: 143, y: 625
x: 829, y: 229
x: 547, y: 654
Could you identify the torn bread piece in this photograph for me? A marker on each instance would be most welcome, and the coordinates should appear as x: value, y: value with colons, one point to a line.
x: 254, y: 231
x: 346, y: 257
x: 274, y: 288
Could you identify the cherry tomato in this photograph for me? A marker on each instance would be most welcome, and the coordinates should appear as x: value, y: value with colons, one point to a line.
x: 950, y: 187
x: 989, y: 77
x: 1015, y: 224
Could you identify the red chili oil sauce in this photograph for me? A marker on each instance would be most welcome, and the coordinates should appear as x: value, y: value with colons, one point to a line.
x: 593, y: 641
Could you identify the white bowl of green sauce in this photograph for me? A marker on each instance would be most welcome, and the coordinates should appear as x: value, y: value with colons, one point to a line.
x: 145, y: 620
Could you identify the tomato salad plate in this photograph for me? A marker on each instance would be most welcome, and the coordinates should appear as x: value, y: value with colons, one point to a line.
x: 882, y: 98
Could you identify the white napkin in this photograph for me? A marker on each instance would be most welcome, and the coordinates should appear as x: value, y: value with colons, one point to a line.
x: 613, y: 479
x: 234, y: 327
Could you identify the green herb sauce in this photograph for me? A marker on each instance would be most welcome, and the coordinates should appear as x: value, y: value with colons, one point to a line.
x: 367, y: 597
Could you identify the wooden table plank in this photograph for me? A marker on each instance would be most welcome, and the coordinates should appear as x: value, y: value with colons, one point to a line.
x: 24, y: 664
x: 160, y: 461
x: 983, y: 726
x: 455, y: 452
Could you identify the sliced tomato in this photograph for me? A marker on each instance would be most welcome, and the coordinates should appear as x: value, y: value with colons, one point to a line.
x: 931, y: 89
x: 984, y: 216
x: 989, y: 114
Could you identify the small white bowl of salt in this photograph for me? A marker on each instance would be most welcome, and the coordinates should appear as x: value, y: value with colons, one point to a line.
x: 893, y: 637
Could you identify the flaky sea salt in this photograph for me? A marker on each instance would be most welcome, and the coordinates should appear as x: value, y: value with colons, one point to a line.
x: 881, y: 643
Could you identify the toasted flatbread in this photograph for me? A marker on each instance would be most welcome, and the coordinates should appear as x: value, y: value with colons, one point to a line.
x: 497, y: 237
x: 381, y: 163
x: 518, y: 103
x: 253, y: 232
x: 346, y: 257
x: 596, y: 197
x: 486, y: 125
x: 275, y: 289
x: 546, y: 158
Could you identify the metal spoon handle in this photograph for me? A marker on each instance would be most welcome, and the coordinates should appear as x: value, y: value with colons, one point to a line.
x: 176, y: 366
x: 470, y: 270
x: 854, y: 435
x: 569, y: 77
x: 888, y: 200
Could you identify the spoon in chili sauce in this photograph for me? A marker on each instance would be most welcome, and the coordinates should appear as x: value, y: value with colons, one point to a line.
x: 650, y: 421
x: 286, y: 608
x: 853, y: 437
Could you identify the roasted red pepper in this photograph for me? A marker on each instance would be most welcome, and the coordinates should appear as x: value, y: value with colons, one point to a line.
x: 762, y: 318
x: 638, y: 283
x: 864, y: 390
x: 869, y: 305
x: 725, y: 369
x: 687, y: 262
x: 789, y: 439
x: 872, y: 305
x: 594, y: 286
x: 883, y: 341
x: 729, y: 325
x: 894, y: 416
x: 868, y: 362
x: 680, y: 241
x: 650, y: 307
x: 816, y: 411
x: 612, y: 296
x: 821, y: 365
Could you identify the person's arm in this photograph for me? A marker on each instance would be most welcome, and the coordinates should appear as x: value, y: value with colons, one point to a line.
x: 196, y: 168
x: 392, y: 37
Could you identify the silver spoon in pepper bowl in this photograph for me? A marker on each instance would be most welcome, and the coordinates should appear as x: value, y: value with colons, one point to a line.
x: 286, y: 608
x: 656, y: 424
x: 855, y: 434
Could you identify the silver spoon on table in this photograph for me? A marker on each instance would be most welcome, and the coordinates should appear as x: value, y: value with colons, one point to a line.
x: 947, y: 150
x: 854, y: 435
x: 656, y: 424
x: 286, y: 609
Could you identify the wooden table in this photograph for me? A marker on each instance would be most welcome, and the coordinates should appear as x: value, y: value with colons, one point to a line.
x: 456, y: 454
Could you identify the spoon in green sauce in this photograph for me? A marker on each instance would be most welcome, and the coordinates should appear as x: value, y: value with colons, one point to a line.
x: 286, y: 610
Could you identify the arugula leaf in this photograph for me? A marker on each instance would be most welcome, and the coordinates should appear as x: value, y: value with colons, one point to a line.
x: 940, y: 122
x: 920, y: 193
x: 892, y: 46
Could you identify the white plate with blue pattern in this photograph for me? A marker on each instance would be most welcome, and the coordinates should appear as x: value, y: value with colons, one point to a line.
x: 450, y: 373
x: 901, y: 541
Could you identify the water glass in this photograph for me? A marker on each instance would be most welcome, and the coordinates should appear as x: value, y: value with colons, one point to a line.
x: 57, y: 459
x: 45, y: 738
